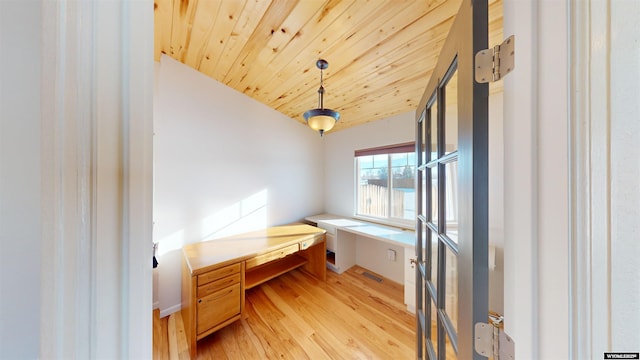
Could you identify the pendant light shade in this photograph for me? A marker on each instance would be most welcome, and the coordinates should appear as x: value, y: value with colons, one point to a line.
x: 321, y: 119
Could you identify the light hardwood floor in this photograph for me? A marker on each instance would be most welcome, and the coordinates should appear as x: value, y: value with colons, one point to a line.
x: 295, y: 316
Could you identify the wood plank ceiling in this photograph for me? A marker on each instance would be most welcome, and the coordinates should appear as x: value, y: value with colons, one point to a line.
x: 380, y: 52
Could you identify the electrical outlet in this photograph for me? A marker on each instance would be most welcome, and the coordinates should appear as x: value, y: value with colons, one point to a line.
x: 391, y: 255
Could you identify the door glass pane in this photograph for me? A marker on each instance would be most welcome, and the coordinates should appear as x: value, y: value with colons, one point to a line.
x: 434, y: 195
x: 425, y: 190
x: 424, y: 133
x: 403, y: 187
x: 450, y: 352
x: 425, y: 244
x: 451, y: 287
x: 451, y: 114
x: 451, y: 199
x: 434, y: 327
x: 433, y: 132
x: 434, y: 260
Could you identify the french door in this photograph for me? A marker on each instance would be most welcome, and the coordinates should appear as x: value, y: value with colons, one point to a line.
x: 452, y: 195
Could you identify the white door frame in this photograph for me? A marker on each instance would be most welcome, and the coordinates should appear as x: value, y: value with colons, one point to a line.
x: 604, y: 136
x: 571, y: 194
x: 536, y: 209
x: 96, y: 151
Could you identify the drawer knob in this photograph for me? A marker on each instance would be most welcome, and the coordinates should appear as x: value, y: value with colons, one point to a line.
x: 199, y: 301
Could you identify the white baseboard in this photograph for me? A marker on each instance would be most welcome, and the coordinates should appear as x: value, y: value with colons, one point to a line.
x: 156, y: 304
x: 170, y: 310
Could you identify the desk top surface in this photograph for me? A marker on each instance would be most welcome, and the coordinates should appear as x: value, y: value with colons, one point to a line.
x: 207, y: 255
x: 397, y: 236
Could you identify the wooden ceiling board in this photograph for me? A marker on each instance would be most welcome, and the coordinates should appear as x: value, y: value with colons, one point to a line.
x: 381, y: 52
x: 370, y: 59
x: 298, y: 59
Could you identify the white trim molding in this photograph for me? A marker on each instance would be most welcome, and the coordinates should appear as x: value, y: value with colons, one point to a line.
x: 536, y: 180
x: 97, y: 93
x: 604, y: 134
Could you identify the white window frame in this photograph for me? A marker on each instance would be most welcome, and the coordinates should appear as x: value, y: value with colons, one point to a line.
x: 388, y: 150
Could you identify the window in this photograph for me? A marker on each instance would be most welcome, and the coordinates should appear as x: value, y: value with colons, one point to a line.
x: 385, y: 183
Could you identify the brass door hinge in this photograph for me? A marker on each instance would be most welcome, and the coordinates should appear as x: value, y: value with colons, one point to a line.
x: 491, y: 340
x: 493, y: 64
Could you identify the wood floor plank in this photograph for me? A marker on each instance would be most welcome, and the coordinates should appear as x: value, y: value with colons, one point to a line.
x: 330, y: 319
x: 253, y: 349
x: 173, y: 337
x: 261, y: 319
x: 160, y: 340
x: 299, y: 329
x: 390, y: 314
x: 296, y: 316
x: 366, y: 330
x: 182, y: 345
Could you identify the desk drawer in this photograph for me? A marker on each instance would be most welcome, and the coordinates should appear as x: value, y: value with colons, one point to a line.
x: 331, y: 229
x: 270, y: 256
x: 216, y: 285
x: 331, y: 242
x: 308, y: 243
x: 218, y: 307
x: 218, y: 274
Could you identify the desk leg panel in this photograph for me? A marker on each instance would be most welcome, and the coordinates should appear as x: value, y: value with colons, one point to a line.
x: 317, y: 260
x: 188, y: 312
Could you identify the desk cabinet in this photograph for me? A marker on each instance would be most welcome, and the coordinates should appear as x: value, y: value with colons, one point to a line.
x: 410, y: 280
x: 345, y: 238
x: 341, y: 253
x: 211, y: 301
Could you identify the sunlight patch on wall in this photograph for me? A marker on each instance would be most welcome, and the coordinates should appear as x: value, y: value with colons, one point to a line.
x: 246, y: 215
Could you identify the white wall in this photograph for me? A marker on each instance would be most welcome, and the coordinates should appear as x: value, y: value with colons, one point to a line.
x: 20, y: 221
x: 372, y: 254
x: 224, y: 164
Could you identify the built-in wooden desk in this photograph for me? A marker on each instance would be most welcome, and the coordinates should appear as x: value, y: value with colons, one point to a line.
x: 216, y: 273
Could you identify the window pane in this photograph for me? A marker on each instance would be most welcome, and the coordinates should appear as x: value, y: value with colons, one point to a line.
x: 451, y: 199
x: 451, y: 288
x: 451, y: 114
x: 373, y: 185
x: 365, y: 162
x: 399, y: 161
x: 403, y: 197
x: 381, y: 162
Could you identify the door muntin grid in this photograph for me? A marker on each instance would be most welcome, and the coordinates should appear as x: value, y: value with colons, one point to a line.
x: 440, y: 247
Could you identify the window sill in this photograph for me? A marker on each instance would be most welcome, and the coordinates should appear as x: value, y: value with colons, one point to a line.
x: 401, y: 225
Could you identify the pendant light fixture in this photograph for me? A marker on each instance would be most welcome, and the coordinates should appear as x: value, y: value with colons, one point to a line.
x: 321, y: 119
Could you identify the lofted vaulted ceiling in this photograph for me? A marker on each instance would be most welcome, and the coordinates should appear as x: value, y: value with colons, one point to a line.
x: 380, y: 52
